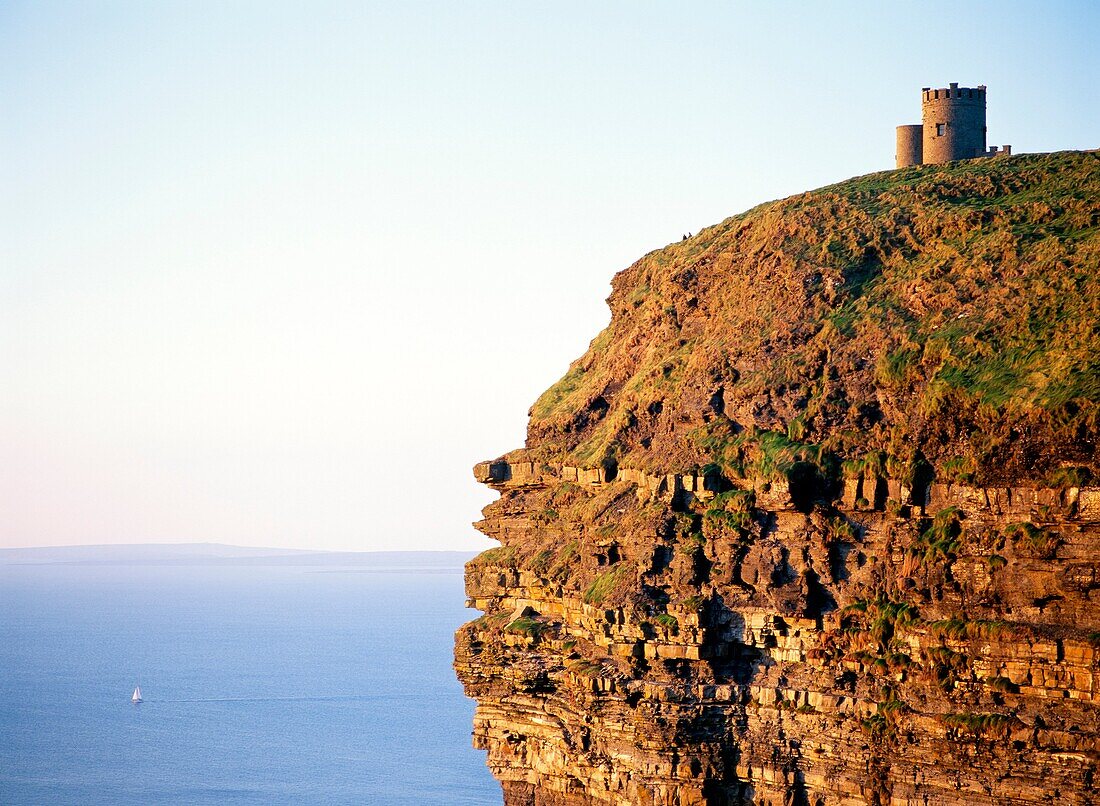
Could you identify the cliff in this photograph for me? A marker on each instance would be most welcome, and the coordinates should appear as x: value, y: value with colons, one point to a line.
x: 815, y: 519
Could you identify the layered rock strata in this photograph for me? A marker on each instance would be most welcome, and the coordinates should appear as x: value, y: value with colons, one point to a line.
x: 745, y: 560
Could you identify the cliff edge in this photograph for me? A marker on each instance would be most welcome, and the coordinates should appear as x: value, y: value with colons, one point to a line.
x: 815, y: 520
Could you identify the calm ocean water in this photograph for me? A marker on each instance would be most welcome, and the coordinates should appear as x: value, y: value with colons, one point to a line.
x: 262, y: 686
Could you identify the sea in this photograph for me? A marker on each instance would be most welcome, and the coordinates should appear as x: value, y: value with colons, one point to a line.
x: 262, y: 684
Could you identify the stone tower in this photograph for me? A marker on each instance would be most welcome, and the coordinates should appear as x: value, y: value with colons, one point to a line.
x: 953, y: 128
x: 954, y: 123
x: 910, y: 145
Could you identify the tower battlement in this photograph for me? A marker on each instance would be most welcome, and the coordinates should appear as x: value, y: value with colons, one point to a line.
x: 952, y: 128
x: 954, y: 93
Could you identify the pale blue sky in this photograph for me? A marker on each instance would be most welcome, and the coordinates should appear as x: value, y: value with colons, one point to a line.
x: 279, y: 273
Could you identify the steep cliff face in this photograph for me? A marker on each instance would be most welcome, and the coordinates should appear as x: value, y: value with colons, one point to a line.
x: 814, y: 520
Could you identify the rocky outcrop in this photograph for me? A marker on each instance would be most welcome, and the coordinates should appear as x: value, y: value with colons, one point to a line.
x: 862, y: 585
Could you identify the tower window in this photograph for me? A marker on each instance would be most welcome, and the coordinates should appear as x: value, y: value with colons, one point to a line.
x: 940, y: 127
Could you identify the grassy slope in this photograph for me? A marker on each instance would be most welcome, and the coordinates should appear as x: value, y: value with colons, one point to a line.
x: 952, y: 310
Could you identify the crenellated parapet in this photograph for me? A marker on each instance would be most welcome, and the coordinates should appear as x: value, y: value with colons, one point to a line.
x: 954, y: 93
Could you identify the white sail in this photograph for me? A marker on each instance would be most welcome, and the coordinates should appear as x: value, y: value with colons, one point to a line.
x: 137, y: 694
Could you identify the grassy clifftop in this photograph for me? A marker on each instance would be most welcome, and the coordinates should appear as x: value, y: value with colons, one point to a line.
x: 947, y: 315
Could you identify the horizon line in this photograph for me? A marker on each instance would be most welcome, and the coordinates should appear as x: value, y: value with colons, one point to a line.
x: 237, y: 546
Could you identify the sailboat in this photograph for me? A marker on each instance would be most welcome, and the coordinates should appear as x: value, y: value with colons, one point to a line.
x: 137, y: 695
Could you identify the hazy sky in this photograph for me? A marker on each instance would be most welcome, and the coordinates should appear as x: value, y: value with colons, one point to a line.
x: 280, y: 273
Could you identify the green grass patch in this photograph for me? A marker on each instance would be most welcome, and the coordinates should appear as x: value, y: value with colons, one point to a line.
x: 1063, y: 478
x: 693, y: 602
x: 941, y: 540
x: 1033, y: 541
x: 960, y: 629
x: 603, y: 585
x: 527, y: 626
x: 981, y: 723
x: 564, y: 561
x: 666, y: 620
x: 503, y: 556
